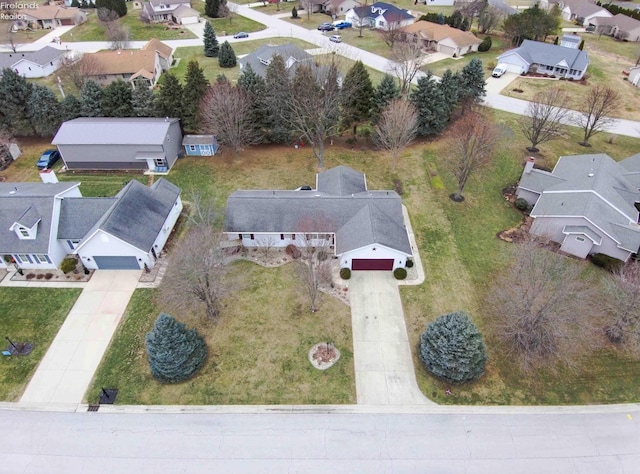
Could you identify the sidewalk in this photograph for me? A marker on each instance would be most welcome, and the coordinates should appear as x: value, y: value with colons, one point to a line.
x: 65, y: 372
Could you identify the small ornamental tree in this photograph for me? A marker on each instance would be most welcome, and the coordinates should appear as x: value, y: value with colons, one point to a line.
x: 226, y: 58
x: 453, y: 349
x: 175, y: 353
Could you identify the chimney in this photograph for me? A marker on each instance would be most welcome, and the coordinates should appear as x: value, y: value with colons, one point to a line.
x: 528, y: 166
x: 48, y: 176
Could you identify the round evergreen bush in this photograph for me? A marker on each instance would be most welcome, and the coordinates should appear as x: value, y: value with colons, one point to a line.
x: 485, y: 45
x: 293, y: 251
x: 409, y: 263
x: 400, y: 273
x: 68, y: 264
x: 226, y: 56
x: 175, y: 353
x: 345, y: 273
x: 453, y: 349
x: 521, y: 204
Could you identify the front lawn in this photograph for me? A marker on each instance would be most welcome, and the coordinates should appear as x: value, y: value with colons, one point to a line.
x: 29, y: 315
x: 257, y: 351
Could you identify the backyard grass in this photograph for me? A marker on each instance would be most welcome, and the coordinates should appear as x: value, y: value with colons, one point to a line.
x: 29, y: 315
x: 257, y: 351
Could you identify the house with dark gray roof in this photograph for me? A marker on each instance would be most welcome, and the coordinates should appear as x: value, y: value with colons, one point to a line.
x: 587, y: 204
x: 32, y: 64
x: 379, y: 15
x: 42, y: 223
x: 101, y: 143
x: 292, y: 55
x: 545, y: 58
x: 364, y: 229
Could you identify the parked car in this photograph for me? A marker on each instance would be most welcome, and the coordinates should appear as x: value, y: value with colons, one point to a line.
x: 241, y: 34
x: 335, y: 38
x: 342, y: 25
x: 48, y: 159
x: 326, y: 27
x: 499, y: 70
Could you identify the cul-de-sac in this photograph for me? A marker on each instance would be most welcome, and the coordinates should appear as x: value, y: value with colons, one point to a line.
x: 425, y: 207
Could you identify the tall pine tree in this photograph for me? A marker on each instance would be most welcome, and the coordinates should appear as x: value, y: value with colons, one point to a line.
x: 357, y: 95
x: 211, y: 46
x: 472, y: 83
x: 431, y: 106
x: 385, y: 92
x: 169, y: 98
x: 227, y: 57
x: 116, y: 100
x: 45, y: 111
x: 15, y: 93
x: 91, y: 99
x: 278, y: 86
x: 450, y: 87
x: 194, y: 88
x: 255, y: 86
x: 70, y: 107
x: 211, y: 8
x: 142, y: 100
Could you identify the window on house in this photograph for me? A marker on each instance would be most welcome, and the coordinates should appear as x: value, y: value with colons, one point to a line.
x: 72, y: 243
x: 24, y: 232
x: 160, y: 162
x: 24, y: 258
x: 41, y: 258
x: 580, y: 239
x: 248, y: 236
x: 281, y: 236
x: 192, y: 148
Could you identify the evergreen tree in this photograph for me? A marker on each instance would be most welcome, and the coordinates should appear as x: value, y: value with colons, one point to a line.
x: 194, y: 88
x: 255, y: 86
x: 581, y: 46
x: 75, y: 4
x: 70, y: 106
x: 453, y: 349
x: 116, y: 100
x: 222, y: 79
x: 175, y: 353
x: 431, y: 105
x: 278, y: 85
x: 485, y: 45
x: 357, y: 95
x: 91, y: 99
x: 15, y: 93
x: 385, y: 92
x: 211, y: 8
x: 45, y: 111
x: 169, y: 98
x: 450, y: 87
x: 227, y: 57
x: 472, y: 83
x: 118, y: 6
x: 211, y: 46
x: 142, y: 100
x: 294, y: 12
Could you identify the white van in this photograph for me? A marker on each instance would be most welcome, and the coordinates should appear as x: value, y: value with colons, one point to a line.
x: 499, y: 70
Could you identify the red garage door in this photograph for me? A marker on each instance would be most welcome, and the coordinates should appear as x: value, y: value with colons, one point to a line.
x: 372, y: 264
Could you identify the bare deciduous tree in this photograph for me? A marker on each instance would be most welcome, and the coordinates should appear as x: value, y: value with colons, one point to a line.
x: 489, y: 18
x: 226, y: 111
x: 595, y: 111
x: 623, y: 305
x: 314, y: 266
x: 396, y: 128
x: 77, y: 71
x: 473, y: 139
x: 314, y: 106
x: 198, y: 276
x: 544, y: 117
x: 542, y: 308
x: 406, y: 59
x: 265, y: 246
x: 392, y: 34
x: 308, y: 7
x: 117, y: 34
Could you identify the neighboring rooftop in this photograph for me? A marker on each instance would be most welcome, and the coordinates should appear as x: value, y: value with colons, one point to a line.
x: 41, y: 57
x: 537, y: 52
x: 436, y: 32
x: 291, y: 54
x: 104, y: 130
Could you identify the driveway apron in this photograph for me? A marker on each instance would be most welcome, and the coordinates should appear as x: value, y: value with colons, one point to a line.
x: 67, y: 368
x: 382, y: 355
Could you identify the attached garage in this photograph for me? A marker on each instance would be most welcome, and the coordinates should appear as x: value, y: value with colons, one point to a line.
x: 372, y: 264
x: 116, y: 263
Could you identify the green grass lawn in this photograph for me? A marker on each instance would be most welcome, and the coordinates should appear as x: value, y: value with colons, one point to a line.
x: 257, y: 351
x: 29, y: 315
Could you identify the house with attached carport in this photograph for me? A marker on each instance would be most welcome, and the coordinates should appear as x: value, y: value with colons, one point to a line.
x: 545, y: 58
x: 587, y: 204
x: 107, y: 143
x: 42, y: 223
x: 364, y: 229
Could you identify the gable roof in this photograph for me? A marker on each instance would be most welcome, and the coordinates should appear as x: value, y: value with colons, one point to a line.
x: 111, y: 130
x: 260, y: 58
x: 584, y: 8
x: 536, y: 52
x: 41, y: 57
x: 341, y: 205
x: 169, y: 2
x: 122, y: 62
x: 389, y: 12
x: 50, y: 12
x: 28, y: 203
x: 138, y: 213
x: 436, y: 32
x: 79, y: 215
x: 593, y: 186
x: 163, y: 49
x: 622, y: 21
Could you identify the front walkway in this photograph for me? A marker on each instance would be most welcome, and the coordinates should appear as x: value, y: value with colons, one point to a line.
x: 381, y: 351
x: 65, y: 372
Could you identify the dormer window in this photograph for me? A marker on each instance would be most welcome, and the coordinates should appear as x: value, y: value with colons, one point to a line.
x: 24, y: 232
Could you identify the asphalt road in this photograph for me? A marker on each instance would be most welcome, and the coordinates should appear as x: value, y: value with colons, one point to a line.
x: 37, y: 442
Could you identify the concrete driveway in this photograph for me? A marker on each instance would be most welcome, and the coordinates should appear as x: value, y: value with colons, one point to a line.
x: 496, y: 84
x: 67, y: 368
x: 382, y: 355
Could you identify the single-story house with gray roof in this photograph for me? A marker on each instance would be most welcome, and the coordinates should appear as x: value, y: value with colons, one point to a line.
x: 291, y: 54
x: 587, y: 204
x: 102, y: 143
x: 546, y: 58
x: 32, y: 64
x: 379, y: 15
x: 42, y: 223
x: 364, y: 229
